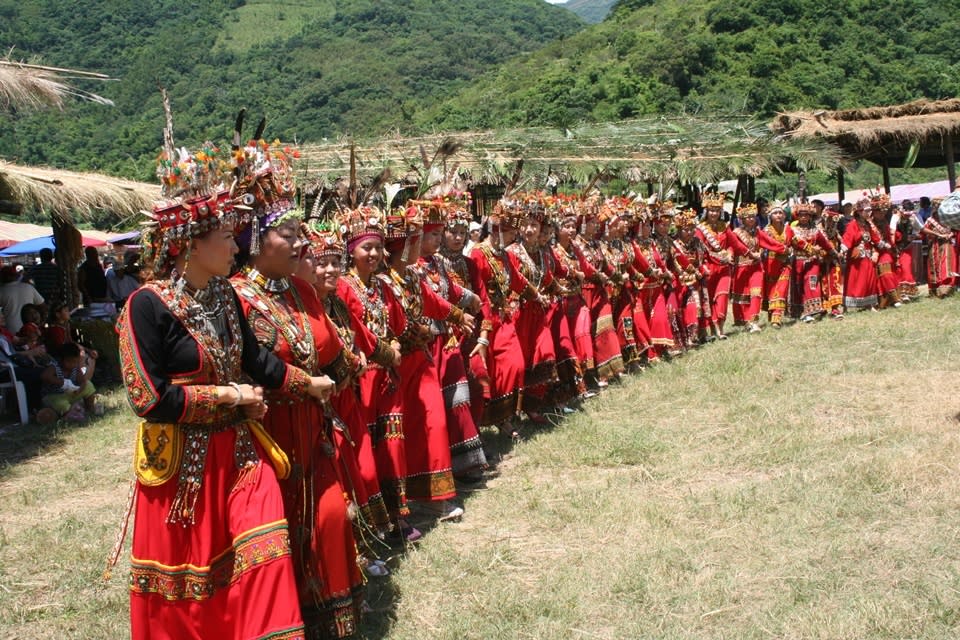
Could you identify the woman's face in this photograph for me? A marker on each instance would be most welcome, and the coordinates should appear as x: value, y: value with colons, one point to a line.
x: 63, y: 315
x: 430, y: 243
x: 306, y: 268
x: 590, y: 228
x: 367, y: 255
x: 750, y: 222
x: 509, y: 234
x: 568, y: 231
x: 687, y: 233
x: 454, y: 238
x: 279, y: 251
x: 530, y: 232
x: 327, y: 272
x: 213, y: 252
x: 713, y: 214
x: 778, y: 217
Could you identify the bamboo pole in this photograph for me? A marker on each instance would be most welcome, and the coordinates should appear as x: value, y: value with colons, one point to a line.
x: 886, y: 175
x: 841, y: 187
x: 951, y: 163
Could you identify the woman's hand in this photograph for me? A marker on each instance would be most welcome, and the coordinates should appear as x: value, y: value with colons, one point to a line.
x: 248, y: 395
x: 254, y: 411
x: 321, y: 387
x: 467, y: 323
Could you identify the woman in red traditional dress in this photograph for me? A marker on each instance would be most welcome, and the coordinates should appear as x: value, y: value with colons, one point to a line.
x: 888, y: 283
x: 810, y: 247
x: 832, y: 274
x: 662, y: 224
x: 573, y: 307
x: 466, y: 451
x: 211, y: 552
x: 652, y: 300
x: 533, y: 330
x: 713, y: 233
x: 350, y: 429
x: 749, y: 242
x: 372, y: 305
x: 860, y: 278
x: 619, y: 255
x: 606, y: 345
x: 777, y: 268
x: 461, y: 271
x: 288, y: 319
x: 500, y: 285
x: 429, y: 468
x: 941, y: 258
x: 693, y: 298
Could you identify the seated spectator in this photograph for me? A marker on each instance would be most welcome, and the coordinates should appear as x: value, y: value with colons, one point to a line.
x: 67, y: 389
x: 25, y: 362
x: 58, y: 331
x: 125, y: 279
x: 14, y: 295
x: 29, y: 335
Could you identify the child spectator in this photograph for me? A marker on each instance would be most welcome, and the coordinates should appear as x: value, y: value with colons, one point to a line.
x: 58, y: 331
x: 29, y: 333
x: 67, y: 389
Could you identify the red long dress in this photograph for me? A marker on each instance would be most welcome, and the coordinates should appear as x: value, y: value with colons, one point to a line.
x: 692, y: 294
x: 719, y: 269
x: 652, y: 299
x: 533, y: 329
x: 287, y: 317
x: 573, y: 306
x: 357, y: 338
x: 888, y: 282
x: 776, y: 275
x: 748, y: 274
x: 466, y: 450
x: 606, y: 345
x: 810, y: 247
x: 619, y: 262
x: 429, y: 468
x: 499, y: 283
x: 860, y: 279
x: 569, y: 370
x: 210, y: 556
x: 832, y: 273
x: 906, y: 227
x: 373, y: 305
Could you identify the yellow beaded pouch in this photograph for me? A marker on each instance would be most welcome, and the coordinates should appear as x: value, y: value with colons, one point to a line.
x: 158, y: 452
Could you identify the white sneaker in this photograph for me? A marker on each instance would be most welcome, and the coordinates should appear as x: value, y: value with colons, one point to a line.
x: 897, y: 305
x: 754, y: 328
x: 806, y: 319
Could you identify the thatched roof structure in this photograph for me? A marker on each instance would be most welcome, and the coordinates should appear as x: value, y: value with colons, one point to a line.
x: 28, y: 86
x: 68, y: 193
x: 895, y: 134
x: 667, y: 151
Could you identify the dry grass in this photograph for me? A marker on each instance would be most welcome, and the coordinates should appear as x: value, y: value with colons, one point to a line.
x: 27, y: 86
x: 71, y: 193
x: 794, y: 484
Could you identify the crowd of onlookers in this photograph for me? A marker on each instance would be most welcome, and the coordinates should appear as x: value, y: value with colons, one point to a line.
x: 38, y: 338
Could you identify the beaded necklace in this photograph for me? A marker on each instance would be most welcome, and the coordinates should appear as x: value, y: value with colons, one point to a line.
x: 500, y: 292
x: 375, y: 312
x: 286, y: 313
x: 710, y: 236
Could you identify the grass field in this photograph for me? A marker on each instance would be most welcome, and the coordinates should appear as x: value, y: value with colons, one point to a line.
x: 802, y: 483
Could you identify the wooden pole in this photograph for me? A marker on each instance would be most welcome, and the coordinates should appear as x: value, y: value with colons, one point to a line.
x: 886, y: 175
x: 751, y: 189
x: 841, y: 187
x: 951, y: 164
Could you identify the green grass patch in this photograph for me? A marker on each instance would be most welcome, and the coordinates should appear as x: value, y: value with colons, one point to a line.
x: 262, y: 22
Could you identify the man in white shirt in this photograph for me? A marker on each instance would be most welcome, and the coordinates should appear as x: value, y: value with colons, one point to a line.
x: 14, y: 295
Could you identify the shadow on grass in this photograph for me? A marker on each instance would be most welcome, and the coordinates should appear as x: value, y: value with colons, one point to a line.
x: 22, y: 442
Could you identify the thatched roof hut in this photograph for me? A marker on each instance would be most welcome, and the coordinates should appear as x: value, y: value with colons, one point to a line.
x: 916, y: 134
x: 672, y: 152
x: 66, y: 194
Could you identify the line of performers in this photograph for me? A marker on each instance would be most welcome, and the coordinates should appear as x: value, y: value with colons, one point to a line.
x: 295, y: 409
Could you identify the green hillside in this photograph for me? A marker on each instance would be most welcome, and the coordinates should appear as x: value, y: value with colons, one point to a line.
x: 761, y: 56
x: 316, y: 68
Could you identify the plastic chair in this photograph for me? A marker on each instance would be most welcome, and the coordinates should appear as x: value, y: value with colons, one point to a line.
x: 7, y: 365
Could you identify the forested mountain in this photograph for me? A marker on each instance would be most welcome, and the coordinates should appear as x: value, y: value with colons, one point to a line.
x: 760, y: 56
x: 316, y: 68
x: 592, y: 11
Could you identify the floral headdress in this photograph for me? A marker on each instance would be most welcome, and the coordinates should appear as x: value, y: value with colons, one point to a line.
x: 194, y: 201
x: 747, y: 209
x: 713, y: 200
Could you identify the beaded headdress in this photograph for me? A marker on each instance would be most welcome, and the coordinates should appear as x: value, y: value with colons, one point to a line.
x: 686, y: 218
x: 747, y: 209
x: 713, y: 200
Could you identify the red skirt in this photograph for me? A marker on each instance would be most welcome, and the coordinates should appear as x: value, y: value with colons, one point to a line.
x: 539, y: 356
x: 568, y: 364
x: 381, y: 411
x: 606, y: 345
x: 322, y: 539
x: 655, y: 309
x: 466, y: 450
x: 429, y: 469
x: 578, y: 319
x: 718, y: 286
x: 363, y: 466
x: 228, y: 575
x: 860, y: 284
x: 505, y: 369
